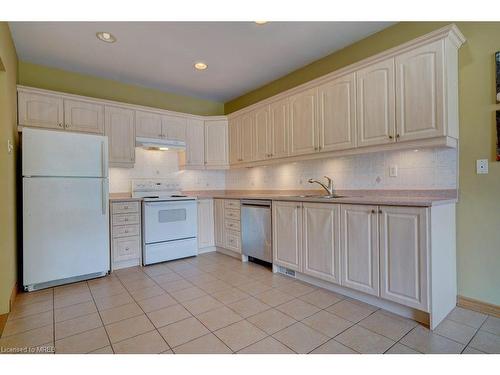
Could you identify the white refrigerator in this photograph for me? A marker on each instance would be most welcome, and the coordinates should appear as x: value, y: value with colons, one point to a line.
x: 65, y: 207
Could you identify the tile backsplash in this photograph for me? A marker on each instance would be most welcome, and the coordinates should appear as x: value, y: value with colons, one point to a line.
x: 163, y: 165
x: 422, y: 169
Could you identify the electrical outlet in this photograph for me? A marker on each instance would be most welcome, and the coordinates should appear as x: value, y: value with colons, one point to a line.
x: 482, y: 166
x: 393, y: 171
x: 10, y: 147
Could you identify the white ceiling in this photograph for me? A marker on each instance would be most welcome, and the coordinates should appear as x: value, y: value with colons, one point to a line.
x: 241, y: 56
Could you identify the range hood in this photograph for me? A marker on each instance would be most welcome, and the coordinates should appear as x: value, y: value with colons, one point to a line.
x: 160, y: 144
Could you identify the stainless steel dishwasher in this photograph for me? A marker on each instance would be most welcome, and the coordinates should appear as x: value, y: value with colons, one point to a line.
x: 256, y: 238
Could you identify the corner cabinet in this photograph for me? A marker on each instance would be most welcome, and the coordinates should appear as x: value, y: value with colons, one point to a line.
x: 120, y: 130
x: 216, y: 144
x: 195, y: 144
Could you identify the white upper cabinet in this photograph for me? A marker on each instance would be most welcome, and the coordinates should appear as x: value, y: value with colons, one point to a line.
x: 303, y: 127
x: 375, y: 103
x: 195, y: 143
x: 337, y: 114
x: 287, y: 234
x: 82, y: 116
x: 120, y: 129
x: 148, y: 124
x: 40, y: 110
x: 216, y: 152
x: 174, y: 128
x: 403, y: 256
x: 262, y: 134
x: 420, y: 92
x: 279, y: 124
x: 360, y: 250
x: 321, y: 241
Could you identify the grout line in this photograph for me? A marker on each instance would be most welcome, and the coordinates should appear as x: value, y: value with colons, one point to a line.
x: 100, y: 317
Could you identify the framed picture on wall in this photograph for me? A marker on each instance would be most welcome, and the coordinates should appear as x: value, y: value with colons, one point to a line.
x: 497, y: 69
x: 498, y: 135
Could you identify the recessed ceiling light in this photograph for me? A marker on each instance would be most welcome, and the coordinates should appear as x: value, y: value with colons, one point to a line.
x: 106, y: 37
x: 200, y: 65
x: 261, y: 22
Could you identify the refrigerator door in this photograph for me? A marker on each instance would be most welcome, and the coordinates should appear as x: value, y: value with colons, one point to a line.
x: 65, y: 228
x: 64, y: 154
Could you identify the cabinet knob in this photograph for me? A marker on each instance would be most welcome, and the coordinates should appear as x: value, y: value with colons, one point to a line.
x: 397, y: 136
x: 373, y: 211
x: 379, y: 211
x: 390, y: 137
x: 60, y: 125
x: 68, y: 126
x: 126, y: 249
x: 160, y: 135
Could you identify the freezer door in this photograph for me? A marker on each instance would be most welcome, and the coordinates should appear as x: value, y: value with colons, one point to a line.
x: 65, y: 228
x: 64, y: 154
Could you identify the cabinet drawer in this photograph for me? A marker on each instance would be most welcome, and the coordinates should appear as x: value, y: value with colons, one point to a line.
x: 232, y: 203
x: 232, y: 225
x: 125, y: 207
x: 125, y: 219
x: 232, y: 214
x: 126, y: 231
x: 126, y: 248
x: 233, y: 241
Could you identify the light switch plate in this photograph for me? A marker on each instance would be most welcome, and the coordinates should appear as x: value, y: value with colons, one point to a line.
x: 482, y: 166
x: 10, y: 147
x: 393, y: 171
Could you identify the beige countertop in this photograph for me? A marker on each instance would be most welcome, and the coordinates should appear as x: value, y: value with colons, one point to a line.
x: 419, y: 198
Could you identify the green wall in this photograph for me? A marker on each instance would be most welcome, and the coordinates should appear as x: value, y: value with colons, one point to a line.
x: 478, y: 210
x: 80, y: 84
x: 8, y: 131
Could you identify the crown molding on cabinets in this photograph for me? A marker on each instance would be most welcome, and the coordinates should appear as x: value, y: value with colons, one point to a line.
x: 450, y: 32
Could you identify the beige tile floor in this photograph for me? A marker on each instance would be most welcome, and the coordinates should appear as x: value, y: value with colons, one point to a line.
x: 216, y: 304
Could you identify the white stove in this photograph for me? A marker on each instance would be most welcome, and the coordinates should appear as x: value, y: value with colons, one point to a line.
x: 170, y: 221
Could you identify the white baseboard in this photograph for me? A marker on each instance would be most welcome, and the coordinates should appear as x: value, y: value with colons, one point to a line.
x: 208, y: 249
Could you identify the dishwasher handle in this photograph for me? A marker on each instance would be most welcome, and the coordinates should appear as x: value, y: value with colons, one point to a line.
x: 256, y: 202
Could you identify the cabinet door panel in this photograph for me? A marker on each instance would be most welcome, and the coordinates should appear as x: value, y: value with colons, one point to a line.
x: 216, y: 154
x: 120, y: 129
x: 262, y: 131
x: 174, y: 128
x: 403, y: 256
x: 287, y: 234
x: 303, y: 127
x: 337, y: 114
x: 247, y: 133
x: 321, y: 241
x: 205, y: 223
x: 359, y: 241
x: 148, y: 125
x: 279, y: 123
x: 40, y: 110
x: 219, y: 233
x: 234, y: 141
x: 375, y: 103
x: 419, y: 92
x: 195, y: 143
x: 81, y: 116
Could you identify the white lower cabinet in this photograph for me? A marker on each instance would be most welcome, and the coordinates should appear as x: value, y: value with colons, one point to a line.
x: 227, y: 225
x: 205, y: 224
x: 126, y: 244
x: 403, y: 256
x: 287, y: 234
x: 321, y: 241
x: 219, y: 222
x: 382, y: 251
x: 359, y: 242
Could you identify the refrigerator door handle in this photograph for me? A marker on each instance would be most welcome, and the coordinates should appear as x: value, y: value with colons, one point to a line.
x: 104, y: 196
x: 104, y: 167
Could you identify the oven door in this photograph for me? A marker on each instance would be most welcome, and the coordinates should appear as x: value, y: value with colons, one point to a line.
x: 170, y: 220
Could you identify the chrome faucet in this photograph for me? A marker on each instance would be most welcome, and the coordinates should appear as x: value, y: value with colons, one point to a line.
x: 328, y: 188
